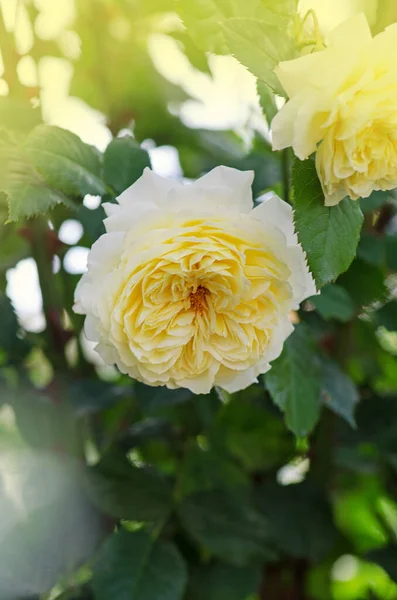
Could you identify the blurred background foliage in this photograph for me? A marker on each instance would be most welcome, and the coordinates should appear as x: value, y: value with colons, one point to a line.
x: 113, y: 490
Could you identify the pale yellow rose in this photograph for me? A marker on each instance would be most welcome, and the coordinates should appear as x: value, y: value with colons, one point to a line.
x: 192, y: 286
x: 343, y: 103
x: 331, y: 13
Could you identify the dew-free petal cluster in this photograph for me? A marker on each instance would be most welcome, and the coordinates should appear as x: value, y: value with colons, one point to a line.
x: 191, y: 286
x: 343, y: 104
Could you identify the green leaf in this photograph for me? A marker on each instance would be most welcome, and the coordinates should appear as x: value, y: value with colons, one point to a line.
x: 226, y: 525
x: 88, y: 396
x: 92, y: 222
x: 15, y: 347
x: 387, y: 316
x: 374, y: 201
x: 206, y: 470
x: 134, y: 566
x: 45, y: 422
x: 123, y: 163
x: 219, y: 581
x: 329, y: 235
x: 391, y: 251
x: 153, y: 398
x: 365, y: 283
x: 259, y: 46
x: 372, y: 250
x: 28, y: 194
x: 253, y: 433
x: 204, y: 19
x: 18, y: 115
x: 339, y: 392
x: 267, y: 100
x: 197, y: 57
x: 300, y: 519
x: 385, y: 558
x: 65, y: 162
x: 334, y: 302
x: 127, y: 492
x: 294, y: 382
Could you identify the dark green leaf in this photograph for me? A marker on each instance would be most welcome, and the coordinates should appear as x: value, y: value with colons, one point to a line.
x: 293, y: 382
x: 206, y: 470
x: 15, y: 347
x: 300, y: 519
x: 385, y: 558
x: 89, y: 396
x: 334, y: 302
x: 339, y: 392
x: 372, y: 250
x: 329, y: 235
x: 126, y: 492
x: 123, y: 163
x: 92, y: 222
x: 145, y: 430
x: 134, y: 566
x: 391, y: 251
x: 365, y: 283
x: 387, y: 316
x: 153, y: 398
x: 374, y: 201
x: 224, y: 582
x: 252, y: 433
x: 9, y: 323
x: 227, y: 526
x: 65, y: 162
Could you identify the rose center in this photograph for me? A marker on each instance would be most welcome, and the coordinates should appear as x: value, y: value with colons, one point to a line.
x: 197, y: 299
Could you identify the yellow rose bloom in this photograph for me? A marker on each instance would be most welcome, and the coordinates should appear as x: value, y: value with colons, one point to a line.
x: 331, y: 14
x: 191, y: 286
x: 343, y: 103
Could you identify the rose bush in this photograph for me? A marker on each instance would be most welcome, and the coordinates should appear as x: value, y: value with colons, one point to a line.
x: 270, y: 473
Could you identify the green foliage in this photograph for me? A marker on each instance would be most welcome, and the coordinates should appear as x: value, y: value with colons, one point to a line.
x: 329, y: 235
x: 220, y: 581
x: 339, y: 392
x: 334, y: 302
x: 64, y: 161
x: 386, y: 316
x: 255, y: 32
x: 294, y: 383
x: 123, y: 163
x: 114, y: 490
x: 226, y: 525
x: 52, y: 166
x: 135, y: 565
x: 131, y: 493
x: 303, y: 511
x: 258, y: 46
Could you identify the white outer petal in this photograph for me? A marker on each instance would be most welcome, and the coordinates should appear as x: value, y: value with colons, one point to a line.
x: 237, y: 183
x: 150, y: 188
x: 276, y: 213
